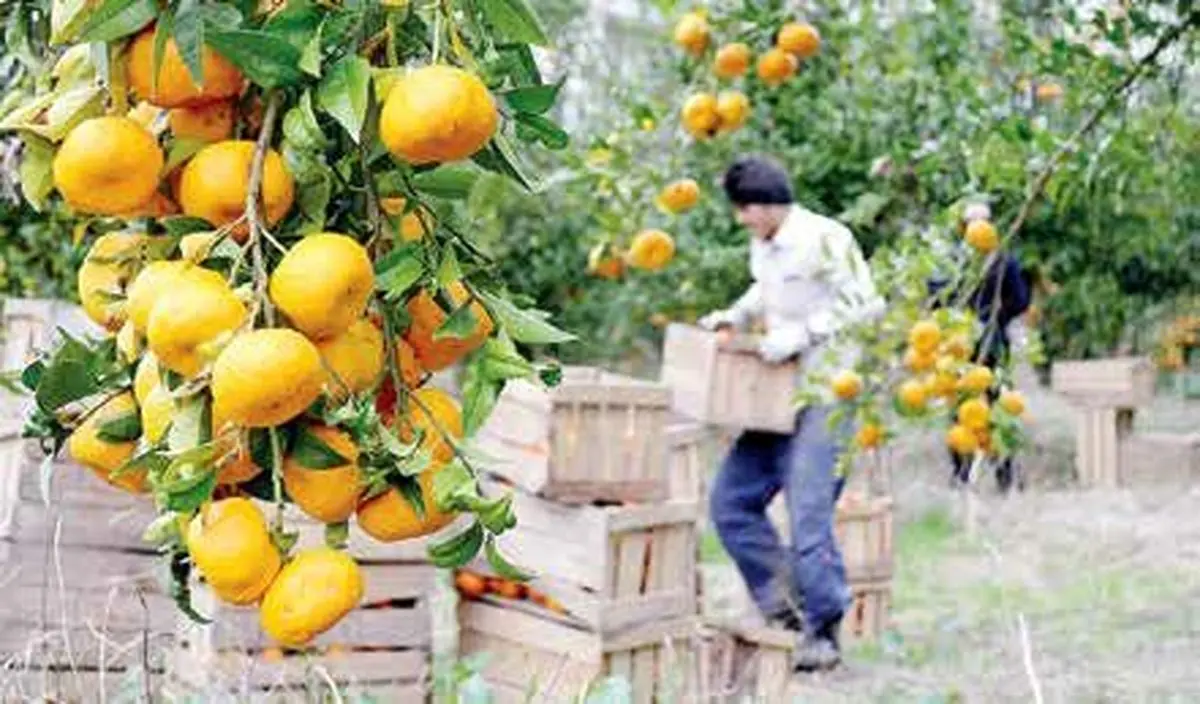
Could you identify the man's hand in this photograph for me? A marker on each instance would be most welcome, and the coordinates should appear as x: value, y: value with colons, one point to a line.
x: 777, y: 348
x: 716, y: 320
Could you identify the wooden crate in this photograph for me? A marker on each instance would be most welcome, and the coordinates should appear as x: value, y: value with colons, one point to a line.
x: 80, y: 684
x: 863, y: 527
x: 383, y: 645
x: 725, y: 383
x: 610, y: 567
x: 690, y: 456
x: 596, y: 437
x: 1120, y: 382
x: 867, y: 617
x: 1100, y: 437
x: 741, y: 663
x: 556, y: 662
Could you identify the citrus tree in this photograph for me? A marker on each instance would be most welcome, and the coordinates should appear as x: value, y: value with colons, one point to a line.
x: 270, y: 195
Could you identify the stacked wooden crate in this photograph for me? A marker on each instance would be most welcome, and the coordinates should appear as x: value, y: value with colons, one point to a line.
x: 613, y: 553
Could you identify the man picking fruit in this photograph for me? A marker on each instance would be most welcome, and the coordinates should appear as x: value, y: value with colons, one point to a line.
x: 810, y: 282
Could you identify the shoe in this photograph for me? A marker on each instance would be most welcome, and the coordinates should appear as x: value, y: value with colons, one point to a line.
x: 786, y: 618
x: 815, y: 653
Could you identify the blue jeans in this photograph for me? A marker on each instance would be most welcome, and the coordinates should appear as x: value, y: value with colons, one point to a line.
x: 802, y: 465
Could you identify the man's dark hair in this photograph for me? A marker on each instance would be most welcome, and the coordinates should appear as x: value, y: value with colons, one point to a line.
x: 757, y: 180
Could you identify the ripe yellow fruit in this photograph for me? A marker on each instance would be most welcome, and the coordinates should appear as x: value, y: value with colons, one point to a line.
x: 776, y: 66
x: 207, y: 123
x: 957, y: 347
x: 733, y: 109
x: 129, y: 345
x: 241, y: 468
x: 188, y: 318
x: 104, y: 274
x: 323, y: 284
x: 700, y: 116
x: 328, y: 495
x: 846, y: 385
x: 158, y: 206
x: 691, y: 33
x: 976, y: 380
x: 912, y: 395
x: 974, y: 414
x: 389, y: 517
x: 732, y: 60
x: 103, y: 457
x: 800, y: 39
x: 410, y: 369
x: 919, y: 361
x: 437, y: 417
x: 146, y: 377
x: 214, y: 183
x: 266, y: 377
x: 413, y: 225
x: 107, y: 166
x: 651, y: 250
x: 925, y: 336
x: 605, y: 262
x: 229, y: 544
x: 353, y: 359
x: 869, y: 436
x: 944, y: 384
x: 961, y: 440
x: 1013, y: 402
x: 311, y: 594
x: 1047, y: 92
x: 173, y: 86
x: 427, y: 316
x: 679, y: 196
x: 156, y: 413
x: 437, y: 114
x: 158, y: 278
x: 981, y: 235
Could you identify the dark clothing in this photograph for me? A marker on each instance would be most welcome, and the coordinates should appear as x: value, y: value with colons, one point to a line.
x: 1004, y: 286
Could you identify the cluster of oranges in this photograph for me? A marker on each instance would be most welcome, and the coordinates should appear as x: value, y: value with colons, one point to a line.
x: 706, y: 114
x: 472, y: 585
x: 940, y: 371
x: 197, y: 336
x: 651, y: 249
x: 1181, y: 336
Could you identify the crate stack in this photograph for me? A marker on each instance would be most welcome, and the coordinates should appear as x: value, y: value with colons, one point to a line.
x: 614, y: 552
x: 84, y: 611
x: 383, y: 649
x: 724, y: 387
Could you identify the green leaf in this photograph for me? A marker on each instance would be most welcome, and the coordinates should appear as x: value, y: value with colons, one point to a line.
x: 543, y: 129
x: 410, y: 489
x: 515, y: 21
x: 337, y: 535
x: 497, y: 514
x: 457, y: 550
x: 300, y: 126
x: 449, y: 182
x: 180, y: 151
x: 404, y: 268
x: 533, y: 100
x: 448, y: 271
x: 551, y: 374
x: 188, y: 32
x: 124, y: 428
x: 501, y: 564
x: 480, y: 394
x: 114, y: 19
x: 452, y: 484
x: 181, y: 225
x: 190, y: 425
x: 189, y: 497
x: 344, y: 92
x: 66, y: 17
x: 37, y: 179
x: 181, y: 569
x: 310, y: 58
x: 67, y: 377
x: 500, y: 360
x: 459, y: 325
x: 265, y: 59
x: 499, y: 157
x: 311, y: 452
x: 525, y: 326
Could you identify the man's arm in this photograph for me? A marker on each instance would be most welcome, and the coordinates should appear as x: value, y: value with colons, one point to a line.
x: 739, y: 315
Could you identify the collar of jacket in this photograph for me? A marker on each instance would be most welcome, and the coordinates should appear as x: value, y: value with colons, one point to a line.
x: 790, y: 230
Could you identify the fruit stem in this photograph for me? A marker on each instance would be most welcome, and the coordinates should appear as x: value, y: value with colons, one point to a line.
x: 277, y: 477
x: 253, y: 193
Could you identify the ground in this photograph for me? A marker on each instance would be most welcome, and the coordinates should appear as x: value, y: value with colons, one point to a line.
x: 1106, y: 583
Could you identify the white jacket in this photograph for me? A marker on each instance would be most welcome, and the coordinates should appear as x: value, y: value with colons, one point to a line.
x: 810, y: 282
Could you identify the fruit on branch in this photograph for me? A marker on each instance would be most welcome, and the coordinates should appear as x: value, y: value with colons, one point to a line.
x: 104, y: 274
x: 105, y: 456
x: 700, y: 116
x: 329, y: 493
x: 776, y: 66
x: 266, y: 377
x: 322, y: 284
x: 435, y: 353
x: 799, y: 39
x: 214, y: 184
x: 692, y: 33
x: 435, y: 416
x: 733, y: 109
x: 650, y: 250
x: 732, y: 60
x: 679, y: 196
x: 189, y: 317
x: 353, y: 359
x: 311, y: 594
x: 207, y: 123
x: 229, y: 544
x: 173, y: 85
x: 107, y: 166
x: 437, y: 114
x: 389, y: 517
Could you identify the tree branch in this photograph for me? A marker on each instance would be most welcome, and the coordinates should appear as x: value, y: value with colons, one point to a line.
x: 253, y: 194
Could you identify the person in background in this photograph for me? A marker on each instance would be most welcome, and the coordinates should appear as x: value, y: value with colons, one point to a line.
x: 1001, y: 297
x: 810, y: 282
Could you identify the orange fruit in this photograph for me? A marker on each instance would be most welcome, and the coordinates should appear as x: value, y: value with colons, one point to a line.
x: 733, y: 109
x: 102, y: 456
x: 605, y: 262
x: 158, y: 279
x: 1013, y: 402
x: 406, y: 361
x: 353, y: 360
x: 1047, y: 92
x: 679, y: 196
x: 266, y: 377
x: 919, y: 361
x: 470, y: 585
x: 981, y: 235
x: 314, y: 591
x: 427, y: 316
x: 435, y: 415
x: 944, y: 384
x: 691, y: 33
x: 329, y: 495
x: 190, y: 320
x: 651, y: 250
x: 107, y: 166
x: 700, y: 116
x: 732, y: 60
x: 173, y: 86
x: 414, y: 224
x: 103, y: 277
x: 957, y: 346
x: 389, y: 517
x: 974, y: 414
x: 846, y: 385
x: 912, y: 395
x: 962, y: 440
x: 776, y: 66
x: 925, y: 336
x: 230, y: 546
x: 869, y: 436
x: 214, y: 183
x: 799, y: 39
x: 437, y: 113
x: 976, y: 380
x: 323, y: 283
x: 207, y: 123
x: 509, y: 589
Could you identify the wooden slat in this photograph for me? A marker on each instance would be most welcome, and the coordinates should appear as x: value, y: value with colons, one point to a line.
x: 349, y: 667
x: 28, y: 608
x: 86, y: 526
x: 85, y: 645
x: 411, y: 627
x: 1119, y: 382
x: 79, y: 685
x: 37, y: 565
